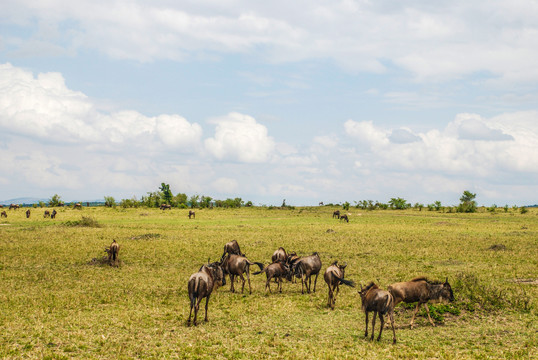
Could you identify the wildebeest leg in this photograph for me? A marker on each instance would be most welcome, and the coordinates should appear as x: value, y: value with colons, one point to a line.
x: 373, y: 326
x: 248, y: 278
x: 315, y: 281
x: 366, y: 331
x: 391, y: 318
x: 268, y: 283
x: 330, y: 300
x: 414, y: 314
x: 193, y: 302
x: 232, y: 278
x: 196, y: 307
x: 428, y: 312
x: 382, y: 324
x: 280, y: 283
x: 206, y: 306
x: 302, y: 284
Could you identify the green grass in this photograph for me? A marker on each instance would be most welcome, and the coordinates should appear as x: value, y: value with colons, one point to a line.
x: 57, y: 302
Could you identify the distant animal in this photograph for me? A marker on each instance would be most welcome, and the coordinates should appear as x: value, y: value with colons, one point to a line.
x: 53, y: 214
x: 380, y: 302
x: 192, y: 213
x: 421, y: 290
x: 304, y: 268
x: 3, y: 214
x: 336, y: 214
x: 321, y: 203
x: 334, y: 276
x: 1, y: 206
x: 277, y: 271
x: 14, y: 206
x: 231, y: 247
x: 237, y: 265
x: 113, y: 251
x: 46, y: 214
x: 202, y: 284
x: 28, y: 213
x: 344, y: 217
x: 77, y: 206
x: 166, y: 207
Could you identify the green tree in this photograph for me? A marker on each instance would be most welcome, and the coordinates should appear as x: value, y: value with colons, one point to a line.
x: 167, y: 194
x: 194, y: 201
x: 55, y: 200
x: 205, y: 202
x: 467, y: 202
x: 345, y: 206
x: 181, y: 200
x: 398, y: 203
x: 110, y: 201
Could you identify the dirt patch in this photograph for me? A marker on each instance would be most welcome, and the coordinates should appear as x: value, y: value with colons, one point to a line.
x: 497, y: 247
x: 526, y: 281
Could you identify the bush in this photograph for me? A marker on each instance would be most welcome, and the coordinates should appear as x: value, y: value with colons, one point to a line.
x: 86, y: 221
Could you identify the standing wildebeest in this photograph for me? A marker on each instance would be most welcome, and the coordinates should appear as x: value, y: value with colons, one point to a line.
x: 201, y: 285
x: 166, y: 207
x: 192, y: 213
x: 4, y: 214
x: 344, y: 217
x: 46, y: 214
x: 14, y: 206
x: 28, y: 213
x: 336, y: 214
x: 334, y: 276
x: 275, y: 271
x: 421, y: 290
x: 236, y: 265
x: 380, y: 302
x: 113, y: 251
x: 231, y: 247
x: 77, y: 206
x: 53, y: 215
x: 279, y: 255
x: 305, y: 267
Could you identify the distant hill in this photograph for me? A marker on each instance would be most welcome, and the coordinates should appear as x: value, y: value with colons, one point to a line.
x: 31, y: 201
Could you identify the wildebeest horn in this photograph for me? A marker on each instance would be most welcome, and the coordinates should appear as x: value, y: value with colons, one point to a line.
x: 446, y: 281
x: 209, y: 260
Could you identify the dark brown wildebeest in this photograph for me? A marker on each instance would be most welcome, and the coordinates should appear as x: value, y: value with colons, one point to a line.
x: 336, y: 214
x: 344, y: 217
x: 202, y: 284
x: 4, y: 214
x: 113, y: 251
x: 279, y: 255
x: 304, y: 268
x: 77, y: 206
x: 421, y: 290
x: 53, y: 214
x: 380, y: 302
x: 334, y: 276
x: 166, y: 207
x: 192, y: 213
x: 1, y: 206
x: 276, y: 271
x: 231, y: 247
x: 14, y: 206
x: 28, y: 213
x: 46, y: 214
x: 237, y: 265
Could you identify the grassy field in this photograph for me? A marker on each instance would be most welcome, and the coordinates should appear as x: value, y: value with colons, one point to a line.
x: 58, y: 300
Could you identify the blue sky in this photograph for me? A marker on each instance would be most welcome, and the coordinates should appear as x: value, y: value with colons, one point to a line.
x: 310, y: 101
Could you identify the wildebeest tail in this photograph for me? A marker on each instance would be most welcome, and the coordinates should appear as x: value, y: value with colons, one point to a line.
x: 259, y: 272
x: 194, y: 290
x: 345, y: 282
x: 260, y: 265
x: 389, y: 303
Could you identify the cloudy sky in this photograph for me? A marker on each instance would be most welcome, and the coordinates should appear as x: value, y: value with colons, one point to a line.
x: 306, y: 101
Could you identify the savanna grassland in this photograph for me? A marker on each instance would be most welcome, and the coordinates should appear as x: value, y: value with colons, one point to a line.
x: 58, y: 299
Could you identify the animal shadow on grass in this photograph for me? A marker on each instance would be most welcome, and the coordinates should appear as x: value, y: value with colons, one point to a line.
x: 104, y: 261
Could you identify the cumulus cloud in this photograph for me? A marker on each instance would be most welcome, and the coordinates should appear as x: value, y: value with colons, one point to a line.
x: 366, y: 133
x: 403, y: 136
x: 239, y: 137
x: 473, y: 127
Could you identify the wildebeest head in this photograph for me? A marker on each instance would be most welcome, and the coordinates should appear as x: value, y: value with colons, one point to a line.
x: 218, y: 273
x: 446, y: 291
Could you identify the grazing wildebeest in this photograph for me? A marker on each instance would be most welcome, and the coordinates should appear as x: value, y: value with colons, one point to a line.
x: 53, y: 214
x: 305, y: 267
x: 380, y: 302
x: 28, y: 213
x: 279, y: 255
x: 336, y: 214
x: 421, y: 290
x: 202, y: 284
x: 46, y: 214
x: 1, y: 206
x: 192, y: 213
x: 276, y: 271
x: 14, y: 206
x: 113, y: 251
x: 334, y: 276
x: 166, y: 207
x: 236, y: 265
x: 231, y: 247
x: 77, y: 206
x: 344, y: 217
x: 4, y: 214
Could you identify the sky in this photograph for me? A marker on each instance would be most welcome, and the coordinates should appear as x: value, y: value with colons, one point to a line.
x: 308, y: 101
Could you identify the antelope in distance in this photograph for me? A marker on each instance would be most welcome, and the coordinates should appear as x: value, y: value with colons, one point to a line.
x: 192, y: 213
x: 166, y: 207
x: 3, y: 214
x: 77, y: 206
x: 336, y: 214
x: 276, y: 271
x: 334, y: 276
x: 344, y: 217
x: 237, y: 265
x: 53, y: 214
x: 421, y: 290
x: 304, y: 268
x: 14, y: 206
x: 28, y: 213
x: 46, y: 214
x: 113, y: 251
x: 202, y: 284
x: 380, y: 302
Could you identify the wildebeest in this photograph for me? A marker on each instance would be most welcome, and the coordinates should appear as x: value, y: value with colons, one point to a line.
x: 279, y: 255
x: 421, y: 290
x: 334, y: 276
x: 4, y: 214
x: 380, y: 302
x: 166, y: 207
x: 201, y: 285
x: 77, y: 206
x: 304, y: 268
x: 344, y: 217
x: 276, y: 271
x: 336, y: 214
x: 113, y: 251
x: 231, y: 247
x: 53, y: 214
x: 237, y: 265
x: 14, y: 206
x: 28, y: 213
x: 46, y: 214
x: 192, y: 213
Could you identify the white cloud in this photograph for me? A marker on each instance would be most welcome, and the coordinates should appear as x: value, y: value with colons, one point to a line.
x: 239, y: 137
x: 366, y: 133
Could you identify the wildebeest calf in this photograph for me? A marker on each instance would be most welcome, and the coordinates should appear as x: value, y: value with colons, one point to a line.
x: 276, y: 271
x: 202, y: 284
x: 380, y: 302
x: 334, y: 276
x: 421, y: 290
x: 113, y: 251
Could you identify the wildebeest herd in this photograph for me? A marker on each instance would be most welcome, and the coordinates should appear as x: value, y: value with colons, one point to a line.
x: 234, y: 263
